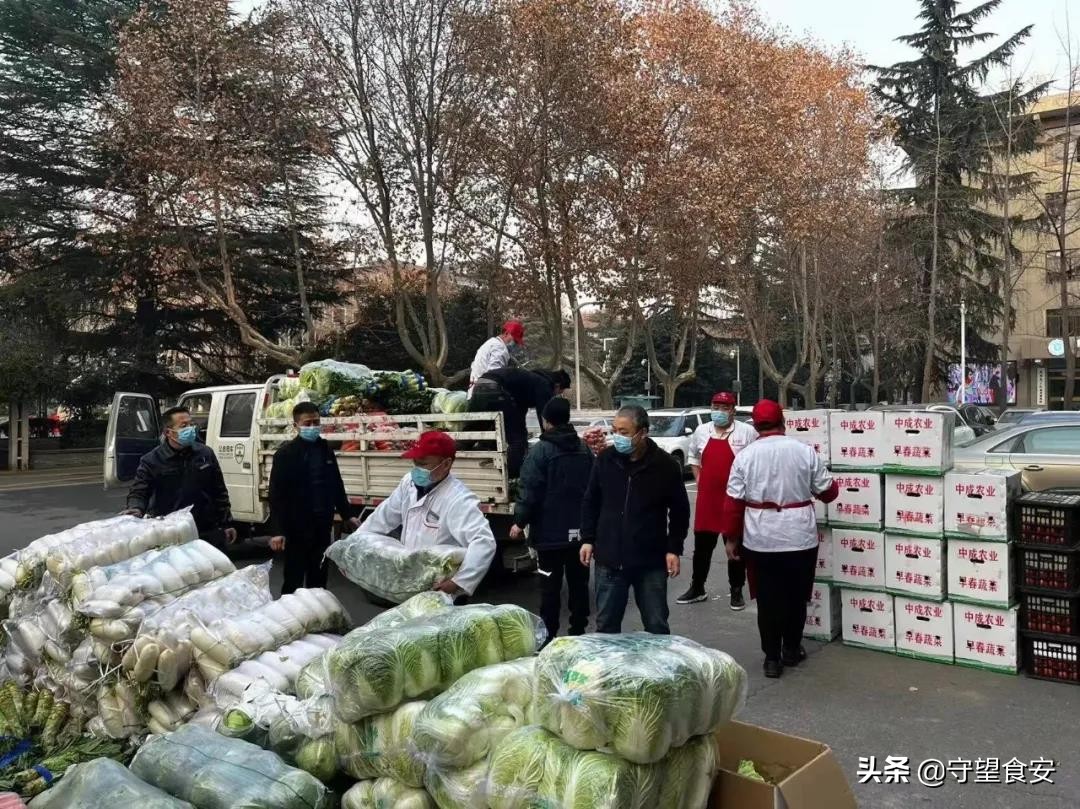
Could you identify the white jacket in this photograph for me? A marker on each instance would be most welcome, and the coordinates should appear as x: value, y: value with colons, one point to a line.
x: 742, y: 435
x: 448, y: 515
x: 491, y: 355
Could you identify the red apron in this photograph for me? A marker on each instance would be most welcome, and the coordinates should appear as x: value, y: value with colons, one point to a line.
x: 716, y: 463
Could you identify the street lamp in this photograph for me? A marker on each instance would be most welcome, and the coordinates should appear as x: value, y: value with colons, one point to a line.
x: 962, y: 395
x: 736, y: 354
x: 648, y: 376
x: 577, y: 349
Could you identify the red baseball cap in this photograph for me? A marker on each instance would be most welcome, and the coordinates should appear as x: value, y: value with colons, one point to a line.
x: 516, y: 330
x: 767, y: 413
x: 432, y: 443
x: 724, y: 398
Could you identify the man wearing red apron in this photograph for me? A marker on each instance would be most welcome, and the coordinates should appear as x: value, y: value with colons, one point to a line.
x: 712, y: 450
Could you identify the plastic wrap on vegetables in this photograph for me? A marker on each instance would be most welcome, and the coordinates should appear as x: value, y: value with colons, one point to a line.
x: 372, y: 672
x: 105, y: 784
x: 380, y: 746
x: 459, y: 789
x: 214, y: 772
x: 389, y: 570
x: 328, y: 377
x: 637, y: 695
x: 465, y: 723
x: 385, y: 793
x: 276, y: 669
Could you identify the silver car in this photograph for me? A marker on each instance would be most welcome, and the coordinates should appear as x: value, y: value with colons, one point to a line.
x: 1047, y: 455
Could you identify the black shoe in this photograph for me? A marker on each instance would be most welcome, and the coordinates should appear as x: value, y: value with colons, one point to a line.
x: 692, y: 596
x: 737, y: 602
x: 773, y: 668
x: 795, y: 659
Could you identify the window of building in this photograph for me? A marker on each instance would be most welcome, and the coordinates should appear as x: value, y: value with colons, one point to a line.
x: 1053, y: 265
x: 1055, y: 321
x: 1056, y: 144
x: 236, y: 418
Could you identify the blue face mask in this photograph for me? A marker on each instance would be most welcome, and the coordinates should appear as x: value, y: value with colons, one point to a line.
x: 186, y: 436
x: 310, y: 433
x: 421, y: 477
x: 721, y: 418
x: 623, y: 444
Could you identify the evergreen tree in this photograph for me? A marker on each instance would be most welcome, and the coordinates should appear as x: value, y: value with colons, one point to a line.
x: 940, y: 115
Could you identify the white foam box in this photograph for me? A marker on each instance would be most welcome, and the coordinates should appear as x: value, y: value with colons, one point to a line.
x: 821, y: 513
x: 823, y: 612
x: 915, y: 504
x: 978, y: 503
x: 810, y: 427
x: 985, y: 637
x: 861, y: 502
x: 980, y: 572
x: 915, y: 566
x: 856, y: 440
x: 919, y: 442
x: 924, y: 629
x: 868, y: 619
x: 858, y: 558
x: 824, y: 569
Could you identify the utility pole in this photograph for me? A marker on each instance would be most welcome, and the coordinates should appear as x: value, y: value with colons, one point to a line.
x: 963, y: 352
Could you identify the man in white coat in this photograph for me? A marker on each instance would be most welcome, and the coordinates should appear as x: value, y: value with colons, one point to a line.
x: 495, y: 352
x: 432, y: 507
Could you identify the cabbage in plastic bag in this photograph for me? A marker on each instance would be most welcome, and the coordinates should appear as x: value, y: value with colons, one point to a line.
x: 635, y: 694
x: 389, y: 570
x: 459, y: 789
x: 381, y: 746
x: 330, y: 377
x: 104, y: 784
x: 468, y: 721
x: 385, y: 793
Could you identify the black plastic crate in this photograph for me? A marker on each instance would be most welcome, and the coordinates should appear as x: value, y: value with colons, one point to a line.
x: 1049, y: 520
x: 1051, y: 657
x: 1050, y: 613
x: 1054, y: 570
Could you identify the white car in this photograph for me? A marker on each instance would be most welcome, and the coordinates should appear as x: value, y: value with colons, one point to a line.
x: 671, y: 429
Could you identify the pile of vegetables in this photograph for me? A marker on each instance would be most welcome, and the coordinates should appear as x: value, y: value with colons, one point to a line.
x: 387, y: 569
x: 385, y: 793
x: 105, y: 784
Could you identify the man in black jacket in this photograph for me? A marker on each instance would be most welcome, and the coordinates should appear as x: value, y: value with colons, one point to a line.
x: 305, y: 490
x: 634, y: 521
x: 178, y: 473
x: 512, y: 391
x: 553, y: 482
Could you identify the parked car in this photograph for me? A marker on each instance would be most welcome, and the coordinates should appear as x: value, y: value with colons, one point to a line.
x: 1050, y: 417
x: 671, y: 429
x: 979, y: 418
x: 1015, y: 415
x: 1045, y: 453
x: 962, y: 433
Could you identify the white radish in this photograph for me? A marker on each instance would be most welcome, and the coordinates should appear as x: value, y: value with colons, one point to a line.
x: 163, y: 714
x: 168, y: 673
x: 171, y: 579
x: 146, y: 663
x: 198, y: 561
x: 157, y: 728
x: 219, y: 560
x: 257, y: 671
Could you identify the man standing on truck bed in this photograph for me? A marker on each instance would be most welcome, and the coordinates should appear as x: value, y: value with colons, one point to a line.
x: 495, y: 352
x: 512, y: 391
x: 305, y: 491
x: 181, y: 472
x: 432, y: 507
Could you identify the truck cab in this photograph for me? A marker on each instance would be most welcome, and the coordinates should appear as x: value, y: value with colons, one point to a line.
x: 227, y: 418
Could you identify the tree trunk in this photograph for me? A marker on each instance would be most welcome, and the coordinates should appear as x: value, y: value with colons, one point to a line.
x: 931, y: 310
x: 875, y: 389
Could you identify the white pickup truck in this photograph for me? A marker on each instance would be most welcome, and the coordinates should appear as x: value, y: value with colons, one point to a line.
x: 230, y: 422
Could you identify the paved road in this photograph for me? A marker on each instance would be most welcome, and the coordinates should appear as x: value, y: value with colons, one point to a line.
x: 859, y: 702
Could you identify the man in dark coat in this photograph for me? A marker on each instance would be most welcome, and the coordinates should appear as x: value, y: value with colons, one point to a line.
x: 553, y: 482
x: 512, y: 392
x: 634, y: 522
x: 305, y: 491
x: 180, y: 473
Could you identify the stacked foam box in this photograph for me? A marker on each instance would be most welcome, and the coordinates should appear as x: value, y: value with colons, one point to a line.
x: 811, y: 427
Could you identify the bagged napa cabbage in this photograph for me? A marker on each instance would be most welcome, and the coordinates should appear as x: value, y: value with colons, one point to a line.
x: 214, y: 772
x: 374, y: 672
x: 533, y: 767
x: 460, y: 789
x: 637, y: 694
x: 389, y: 570
x: 333, y: 378
x: 468, y: 721
x: 385, y: 793
x: 381, y: 746
x: 104, y: 784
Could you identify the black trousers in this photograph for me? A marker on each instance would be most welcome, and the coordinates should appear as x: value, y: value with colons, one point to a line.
x: 784, y: 582
x: 564, y: 563
x: 490, y: 397
x: 704, y: 545
x: 304, y: 549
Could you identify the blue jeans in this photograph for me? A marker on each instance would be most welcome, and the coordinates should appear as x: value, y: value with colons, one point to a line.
x: 650, y: 594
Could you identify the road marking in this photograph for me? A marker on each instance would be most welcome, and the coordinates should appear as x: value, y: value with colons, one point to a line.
x: 30, y: 484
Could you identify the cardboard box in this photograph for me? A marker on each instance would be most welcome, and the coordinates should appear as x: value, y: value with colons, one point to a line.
x: 868, y: 619
x: 915, y: 504
x: 915, y: 566
x: 857, y: 440
x: 809, y: 776
x: 919, y: 442
x: 824, y: 571
x: 977, y: 504
x: 985, y: 638
x: 861, y: 502
x: 980, y: 572
x: 823, y: 612
x: 858, y: 558
x: 924, y: 629
x: 810, y: 427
